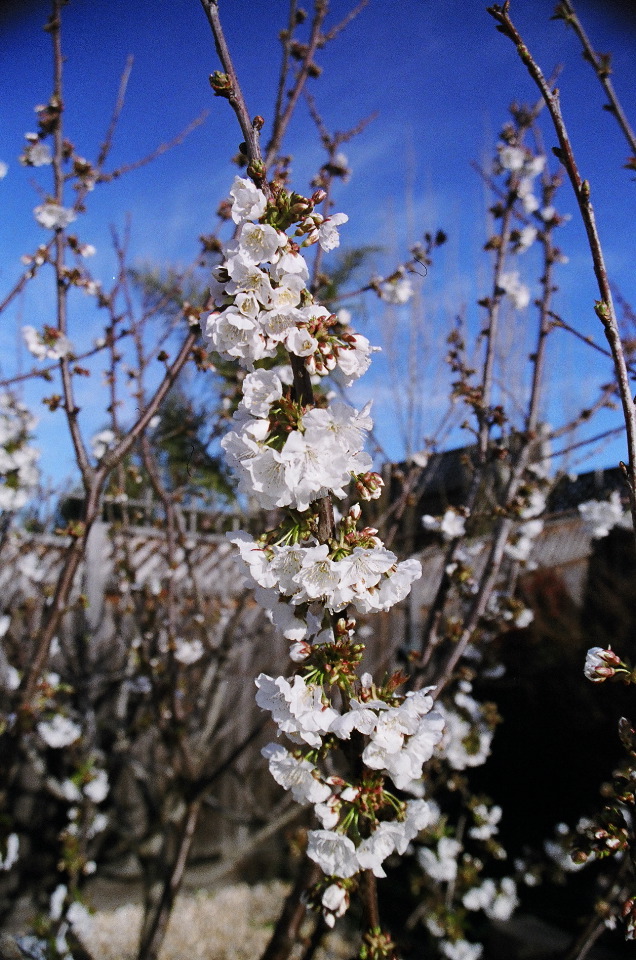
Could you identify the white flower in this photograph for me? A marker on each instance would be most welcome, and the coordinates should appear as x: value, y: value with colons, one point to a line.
x: 328, y: 236
x: 535, y: 505
x: 487, y: 821
x: 68, y: 790
x: 259, y: 241
x: 102, y: 442
x: 52, y: 345
x: 452, y: 525
x: 523, y: 619
x: 526, y: 237
x: 440, y: 864
x: 461, y: 950
x: 97, y: 788
x: 37, y: 154
x: 255, y: 560
x: 319, y: 576
x: 56, y: 902
x: 284, y: 619
x: 335, y: 902
x: 4, y: 169
x: 394, y: 588
x: 247, y: 277
x: 300, y: 650
x: 334, y: 853
x: 600, y: 516
x: 299, y: 776
x: 464, y: 744
x: 188, y: 651
x: 288, y: 265
x: 528, y: 200
x: 54, y: 217
x: 562, y: 857
x: 98, y: 825
x: 300, y: 342
x: 353, y: 360
x: 359, y: 716
x: 249, y: 202
x: 398, y: 291
x: 59, y: 731
x: 374, y: 850
x: 296, y: 708
x: 11, y: 852
x: 518, y: 293
x: 511, y: 158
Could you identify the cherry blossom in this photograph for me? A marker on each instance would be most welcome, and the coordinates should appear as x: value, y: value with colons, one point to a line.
x: 291, y: 455
x: 59, y: 732
x: 54, y: 217
x: 248, y: 201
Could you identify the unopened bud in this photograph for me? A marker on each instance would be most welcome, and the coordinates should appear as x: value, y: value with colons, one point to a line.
x: 300, y: 651
x: 256, y: 170
x: 318, y: 196
x: 601, y: 664
x: 258, y: 122
x: 221, y: 84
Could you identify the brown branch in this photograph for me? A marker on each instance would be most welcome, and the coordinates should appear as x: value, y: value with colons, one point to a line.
x: 43, y: 372
x: 171, y: 374
x: 604, y: 308
x: 565, y: 11
x: 346, y: 20
x: 287, y: 929
x: 369, y: 897
x: 119, y: 106
x: 282, y: 121
x: 235, y: 95
x: 20, y: 284
x: 157, y: 152
x: 70, y: 409
x: 284, y: 65
x: 155, y: 931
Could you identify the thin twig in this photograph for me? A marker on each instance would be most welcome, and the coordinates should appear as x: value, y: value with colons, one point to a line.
x: 604, y: 307
x: 282, y: 121
x: 565, y: 11
x: 157, y: 152
x: 119, y: 106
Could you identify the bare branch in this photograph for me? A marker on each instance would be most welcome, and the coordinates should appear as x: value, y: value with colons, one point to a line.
x: 604, y: 307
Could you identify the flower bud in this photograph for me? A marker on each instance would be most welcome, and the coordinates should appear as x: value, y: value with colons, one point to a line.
x: 601, y: 664
x: 221, y: 84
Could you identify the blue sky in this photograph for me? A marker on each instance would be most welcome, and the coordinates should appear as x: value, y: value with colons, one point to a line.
x: 441, y: 78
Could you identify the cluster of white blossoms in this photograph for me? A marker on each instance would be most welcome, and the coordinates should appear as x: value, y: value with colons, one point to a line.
x: 368, y: 576
x: 19, y: 474
x: 293, y: 453
x: 601, y: 516
x: 52, y: 216
x: 263, y: 285
x: 294, y: 467
x: 526, y: 166
x: 48, y: 345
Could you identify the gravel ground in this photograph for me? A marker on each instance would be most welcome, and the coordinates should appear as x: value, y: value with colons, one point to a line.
x: 234, y: 923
